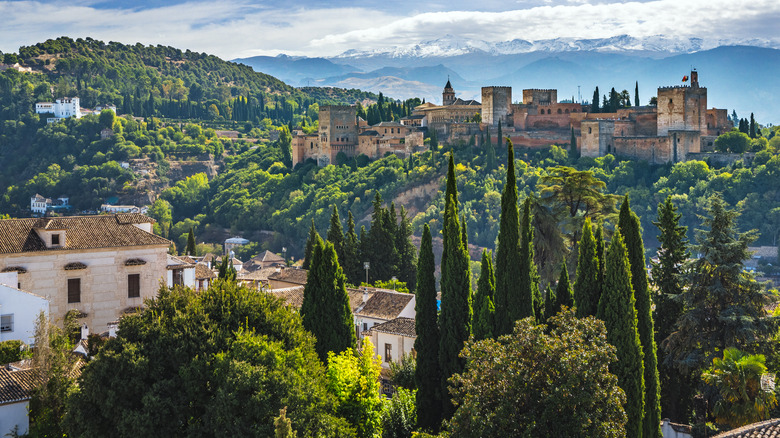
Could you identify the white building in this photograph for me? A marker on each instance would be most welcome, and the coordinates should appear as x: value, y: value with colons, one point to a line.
x: 17, y: 380
x: 39, y: 204
x: 18, y: 310
x: 100, y: 108
x: 180, y: 273
x: 61, y: 108
x: 393, y: 339
x: 108, y: 208
x: 382, y: 306
x: 232, y: 243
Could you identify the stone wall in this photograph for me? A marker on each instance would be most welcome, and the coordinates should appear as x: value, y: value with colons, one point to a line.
x: 654, y: 150
x: 496, y: 105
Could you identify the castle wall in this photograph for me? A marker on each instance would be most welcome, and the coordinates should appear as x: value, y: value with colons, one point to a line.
x: 597, y: 136
x: 682, y: 108
x: 496, y: 105
x: 556, y: 121
x: 654, y: 150
x: 683, y: 142
x: 338, y: 130
x: 718, y: 122
x: 539, y: 139
x: 540, y: 97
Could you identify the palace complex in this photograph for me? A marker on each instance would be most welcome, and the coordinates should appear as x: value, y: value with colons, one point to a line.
x: 680, y: 124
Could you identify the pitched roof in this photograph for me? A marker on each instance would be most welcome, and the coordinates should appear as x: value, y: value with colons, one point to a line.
x: 82, y: 232
x: 399, y: 326
x: 268, y: 256
x: 257, y: 274
x: 764, y: 429
x: 289, y: 275
x: 16, y: 384
x: 293, y: 296
x: 202, y: 272
x: 470, y: 102
x: 177, y: 263
x: 385, y: 305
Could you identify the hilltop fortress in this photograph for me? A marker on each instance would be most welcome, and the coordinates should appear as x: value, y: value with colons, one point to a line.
x: 680, y: 124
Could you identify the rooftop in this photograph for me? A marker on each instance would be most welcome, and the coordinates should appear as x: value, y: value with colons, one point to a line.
x: 399, y: 326
x: 385, y: 305
x: 290, y: 275
x: 764, y: 429
x: 82, y: 232
x: 16, y: 384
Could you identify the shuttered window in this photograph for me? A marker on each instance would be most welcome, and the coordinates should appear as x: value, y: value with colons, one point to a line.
x: 134, y: 285
x: 74, y: 290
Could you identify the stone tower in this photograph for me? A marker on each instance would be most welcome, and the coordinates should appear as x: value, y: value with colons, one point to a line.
x: 448, y: 96
x: 338, y: 132
x: 496, y: 105
x: 682, y: 108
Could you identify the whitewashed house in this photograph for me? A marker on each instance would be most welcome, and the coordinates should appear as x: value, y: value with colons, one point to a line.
x: 61, y: 108
x: 17, y: 381
x: 18, y: 310
x: 181, y: 273
x: 381, y: 306
x: 393, y: 339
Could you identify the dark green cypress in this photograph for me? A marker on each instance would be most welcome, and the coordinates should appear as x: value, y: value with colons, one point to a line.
x: 507, y: 251
x: 636, y: 94
x: 456, y: 314
x: 573, y: 144
x: 190, y: 243
x: 484, y: 310
x: 563, y: 292
x: 617, y: 309
x: 594, y: 105
x: 313, y: 236
x: 450, y: 198
x: 753, y: 127
x: 500, y: 136
x: 407, y: 253
x: 530, y: 299
x: 629, y: 227
x: 427, y: 372
x: 336, y: 235
x: 325, y: 310
x: 587, y: 289
x: 353, y: 268
x: 550, y: 302
x: 365, y: 251
x: 382, y: 253
x: 600, y: 250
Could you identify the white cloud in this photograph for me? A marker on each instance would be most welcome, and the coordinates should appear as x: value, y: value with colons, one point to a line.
x: 238, y: 28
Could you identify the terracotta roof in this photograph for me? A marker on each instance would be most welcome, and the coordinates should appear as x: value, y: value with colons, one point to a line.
x: 256, y: 275
x: 203, y: 272
x: 764, y: 429
x: 399, y: 326
x: 293, y: 296
x: 177, y: 263
x: 82, y: 232
x: 16, y: 384
x: 289, y: 275
x: 268, y: 256
x: 188, y: 259
x: 208, y: 257
x: 385, y: 305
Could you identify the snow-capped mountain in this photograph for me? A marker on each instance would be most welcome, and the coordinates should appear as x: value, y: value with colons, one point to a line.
x: 450, y: 45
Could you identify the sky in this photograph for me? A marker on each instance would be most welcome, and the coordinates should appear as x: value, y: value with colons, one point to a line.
x: 241, y: 28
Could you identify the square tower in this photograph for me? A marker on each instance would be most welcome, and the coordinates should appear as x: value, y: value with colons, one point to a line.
x: 496, y: 105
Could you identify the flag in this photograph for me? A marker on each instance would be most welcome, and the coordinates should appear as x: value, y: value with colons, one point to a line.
x: 685, y: 78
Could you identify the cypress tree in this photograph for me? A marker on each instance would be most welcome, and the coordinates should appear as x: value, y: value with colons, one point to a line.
x: 456, y: 315
x: 484, y: 310
x: 382, y: 253
x: 490, y: 157
x: 500, y: 136
x: 676, y: 388
x: 507, y: 251
x: 336, y: 235
x: 563, y: 292
x: 427, y: 374
x: 450, y: 199
x: 629, y: 228
x: 313, y: 236
x: 573, y: 144
x: 550, y: 302
x: 365, y: 254
x: 325, y: 310
x: 587, y: 289
x: 594, y: 105
x: 407, y: 253
x: 353, y: 268
x: 753, y: 128
x: 600, y: 250
x: 618, y: 311
x: 636, y: 94
x: 190, y: 250
x: 530, y: 303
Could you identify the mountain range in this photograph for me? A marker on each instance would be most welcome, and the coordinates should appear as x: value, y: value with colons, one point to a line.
x: 739, y: 74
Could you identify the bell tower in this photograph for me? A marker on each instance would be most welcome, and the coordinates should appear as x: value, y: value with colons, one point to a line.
x: 448, y: 96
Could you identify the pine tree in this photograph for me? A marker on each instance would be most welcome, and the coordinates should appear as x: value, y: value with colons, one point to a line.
x: 531, y: 303
x: 587, y: 289
x: 636, y: 94
x: 336, y: 235
x: 507, y: 251
x: 630, y: 229
x: 456, y: 314
x: 618, y: 311
x: 563, y: 292
x: 190, y: 243
x: 427, y: 374
x: 484, y: 310
x: 550, y: 302
x: 407, y: 253
x: 724, y: 305
x: 325, y: 310
x: 313, y: 236
x: 594, y: 104
x: 676, y: 388
x: 353, y: 268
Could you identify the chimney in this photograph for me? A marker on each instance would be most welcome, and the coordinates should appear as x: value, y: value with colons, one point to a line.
x: 365, y: 294
x: 84, y: 332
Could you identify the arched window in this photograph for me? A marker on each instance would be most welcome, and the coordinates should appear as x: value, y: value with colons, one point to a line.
x: 549, y: 111
x: 559, y: 111
x: 590, y: 130
x: 567, y: 111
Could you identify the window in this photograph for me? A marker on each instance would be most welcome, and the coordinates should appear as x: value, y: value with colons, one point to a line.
x: 55, y: 239
x: 7, y: 323
x: 388, y: 353
x: 133, y: 285
x: 365, y: 326
x: 178, y: 277
x: 74, y: 290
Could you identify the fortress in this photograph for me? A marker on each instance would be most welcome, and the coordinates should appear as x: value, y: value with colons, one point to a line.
x: 680, y: 124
